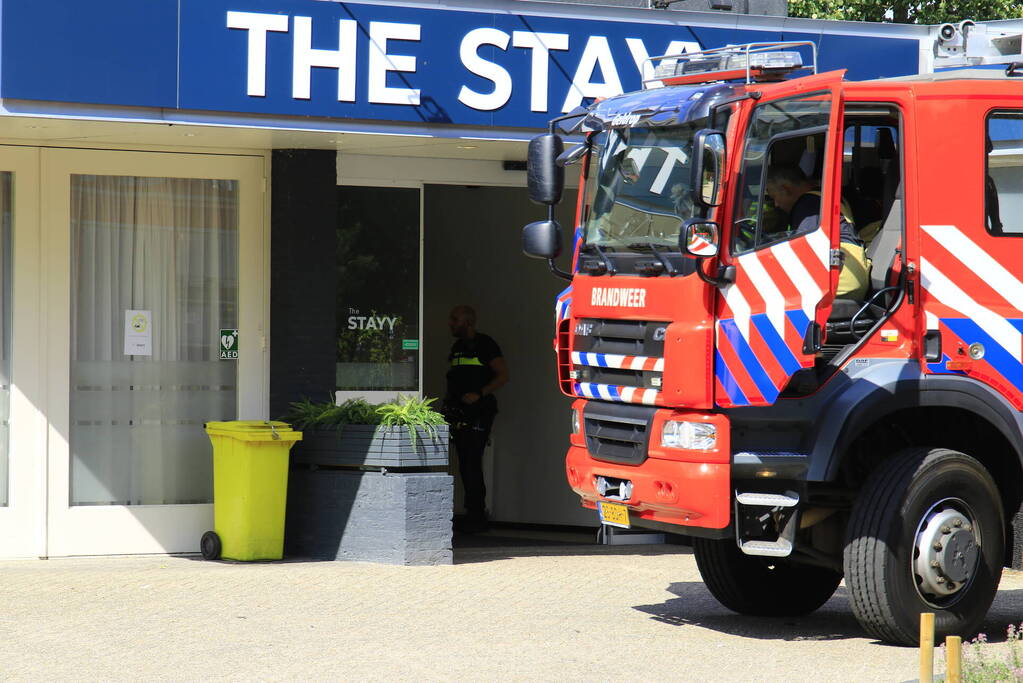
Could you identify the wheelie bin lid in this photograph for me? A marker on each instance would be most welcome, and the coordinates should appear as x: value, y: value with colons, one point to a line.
x: 254, y: 430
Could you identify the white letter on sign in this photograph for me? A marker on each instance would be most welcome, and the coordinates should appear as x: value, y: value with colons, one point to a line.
x: 257, y: 25
x: 380, y: 62
x: 481, y: 67
x: 342, y: 59
x: 541, y: 44
x: 597, y: 53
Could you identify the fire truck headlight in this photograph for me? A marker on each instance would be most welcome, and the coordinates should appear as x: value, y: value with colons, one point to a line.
x: 692, y: 436
x: 576, y: 425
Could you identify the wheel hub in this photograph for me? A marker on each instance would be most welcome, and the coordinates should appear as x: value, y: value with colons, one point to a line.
x: 959, y: 556
x: 947, y: 550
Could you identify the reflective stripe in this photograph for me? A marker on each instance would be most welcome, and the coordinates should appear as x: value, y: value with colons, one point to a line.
x: 466, y: 361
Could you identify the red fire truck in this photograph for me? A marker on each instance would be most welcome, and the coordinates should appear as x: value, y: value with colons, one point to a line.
x: 729, y: 383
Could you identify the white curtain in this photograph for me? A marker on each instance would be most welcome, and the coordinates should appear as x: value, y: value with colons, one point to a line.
x: 168, y: 246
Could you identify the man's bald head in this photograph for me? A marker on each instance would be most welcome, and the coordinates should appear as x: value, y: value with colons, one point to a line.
x: 785, y: 185
x: 462, y: 321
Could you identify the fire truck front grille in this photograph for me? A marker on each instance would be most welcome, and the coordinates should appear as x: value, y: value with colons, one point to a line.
x: 618, y: 359
x: 618, y: 377
x: 617, y: 432
x: 625, y: 337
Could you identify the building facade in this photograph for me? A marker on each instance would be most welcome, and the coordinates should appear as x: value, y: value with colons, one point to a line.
x: 212, y: 208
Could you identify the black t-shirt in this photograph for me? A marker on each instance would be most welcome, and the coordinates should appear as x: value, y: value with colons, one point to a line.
x: 470, y: 370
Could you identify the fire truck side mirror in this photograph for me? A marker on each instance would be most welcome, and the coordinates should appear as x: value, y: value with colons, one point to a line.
x: 545, y: 178
x: 708, y: 166
x: 700, y: 238
x: 542, y: 239
x: 574, y: 154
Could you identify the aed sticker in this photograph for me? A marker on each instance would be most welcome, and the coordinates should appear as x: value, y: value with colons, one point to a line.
x: 889, y: 335
x: 229, y: 345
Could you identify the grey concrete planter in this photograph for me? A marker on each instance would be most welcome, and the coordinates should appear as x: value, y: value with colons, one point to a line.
x: 372, y: 446
x: 388, y: 517
x: 395, y: 512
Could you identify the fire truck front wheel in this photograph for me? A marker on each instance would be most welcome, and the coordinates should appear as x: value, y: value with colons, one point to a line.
x: 761, y: 586
x: 926, y: 535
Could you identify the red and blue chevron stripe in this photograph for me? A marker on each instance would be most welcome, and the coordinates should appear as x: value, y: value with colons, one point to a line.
x: 763, y: 317
x: 613, y: 392
x: 611, y: 360
x: 563, y: 306
x: 973, y: 298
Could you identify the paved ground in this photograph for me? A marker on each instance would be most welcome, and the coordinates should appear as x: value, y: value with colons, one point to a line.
x: 549, y: 612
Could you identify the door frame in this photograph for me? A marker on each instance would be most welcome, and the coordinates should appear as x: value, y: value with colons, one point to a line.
x: 23, y: 520
x: 119, y: 529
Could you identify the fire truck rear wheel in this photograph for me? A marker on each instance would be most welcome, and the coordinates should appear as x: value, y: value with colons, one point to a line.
x: 761, y: 586
x: 926, y: 535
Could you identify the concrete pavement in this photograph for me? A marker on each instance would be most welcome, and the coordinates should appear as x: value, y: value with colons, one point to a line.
x: 556, y: 612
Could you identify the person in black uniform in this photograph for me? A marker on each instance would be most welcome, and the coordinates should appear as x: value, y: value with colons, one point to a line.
x: 477, y: 369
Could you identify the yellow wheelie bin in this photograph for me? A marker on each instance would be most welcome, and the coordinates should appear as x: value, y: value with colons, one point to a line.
x: 250, y: 488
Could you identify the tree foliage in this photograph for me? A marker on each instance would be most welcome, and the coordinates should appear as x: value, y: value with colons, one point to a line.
x: 907, y: 11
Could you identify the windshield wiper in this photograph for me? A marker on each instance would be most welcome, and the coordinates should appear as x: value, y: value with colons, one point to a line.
x: 609, y: 265
x: 665, y: 261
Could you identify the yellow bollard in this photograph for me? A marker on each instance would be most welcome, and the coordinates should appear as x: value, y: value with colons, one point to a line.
x: 926, y: 647
x: 953, y: 659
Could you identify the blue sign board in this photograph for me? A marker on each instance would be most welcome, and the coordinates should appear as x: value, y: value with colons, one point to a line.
x: 360, y: 61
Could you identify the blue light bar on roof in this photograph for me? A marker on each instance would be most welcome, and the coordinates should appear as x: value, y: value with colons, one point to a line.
x: 750, y: 62
x: 730, y: 61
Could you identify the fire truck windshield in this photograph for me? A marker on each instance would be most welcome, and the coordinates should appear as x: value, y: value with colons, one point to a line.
x: 638, y: 189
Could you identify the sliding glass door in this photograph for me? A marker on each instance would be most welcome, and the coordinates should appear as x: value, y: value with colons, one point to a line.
x: 155, y: 259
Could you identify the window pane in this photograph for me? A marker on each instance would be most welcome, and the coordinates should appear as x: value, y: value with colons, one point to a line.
x: 641, y: 187
x: 770, y: 143
x: 870, y: 173
x: 6, y: 186
x: 378, y: 289
x: 1003, y: 186
x: 154, y: 279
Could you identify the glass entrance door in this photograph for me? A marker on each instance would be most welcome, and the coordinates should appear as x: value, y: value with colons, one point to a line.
x: 156, y: 259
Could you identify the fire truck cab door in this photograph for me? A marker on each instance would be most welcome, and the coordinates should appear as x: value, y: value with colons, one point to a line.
x: 784, y: 225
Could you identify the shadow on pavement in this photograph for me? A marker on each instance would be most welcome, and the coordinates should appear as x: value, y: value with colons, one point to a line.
x: 695, y: 606
x: 1006, y: 609
x: 502, y: 543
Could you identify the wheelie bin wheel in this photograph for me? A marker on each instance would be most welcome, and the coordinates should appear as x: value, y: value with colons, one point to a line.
x: 210, y: 546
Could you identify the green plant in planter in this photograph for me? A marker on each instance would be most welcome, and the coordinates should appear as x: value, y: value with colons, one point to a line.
x: 305, y: 414
x: 412, y: 412
x: 408, y: 411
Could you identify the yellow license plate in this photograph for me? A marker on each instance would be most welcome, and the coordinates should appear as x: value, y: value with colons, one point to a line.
x: 614, y: 514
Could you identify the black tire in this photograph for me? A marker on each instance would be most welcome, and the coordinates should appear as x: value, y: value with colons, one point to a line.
x: 210, y: 546
x: 889, y: 525
x: 761, y: 586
